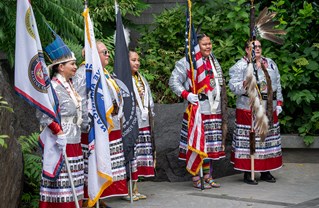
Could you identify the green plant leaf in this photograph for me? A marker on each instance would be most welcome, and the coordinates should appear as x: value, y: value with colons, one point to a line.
x: 308, y: 140
x: 313, y: 65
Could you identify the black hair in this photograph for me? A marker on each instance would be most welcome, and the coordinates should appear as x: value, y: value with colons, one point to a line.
x: 55, y: 69
x: 201, y: 36
x: 131, y: 50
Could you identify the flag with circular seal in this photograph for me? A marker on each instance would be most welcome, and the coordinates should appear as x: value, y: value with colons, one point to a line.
x: 32, y: 81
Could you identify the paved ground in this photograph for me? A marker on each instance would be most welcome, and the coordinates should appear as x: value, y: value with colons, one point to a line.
x: 297, y: 186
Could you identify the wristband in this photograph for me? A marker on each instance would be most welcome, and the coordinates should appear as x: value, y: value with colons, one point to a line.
x: 55, y: 127
x: 184, y: 94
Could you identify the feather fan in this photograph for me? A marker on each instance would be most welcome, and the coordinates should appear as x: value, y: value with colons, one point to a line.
x: 264, y: 27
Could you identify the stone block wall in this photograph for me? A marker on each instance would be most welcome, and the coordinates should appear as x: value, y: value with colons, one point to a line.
x: 167, y: 126
x: 21, y: 122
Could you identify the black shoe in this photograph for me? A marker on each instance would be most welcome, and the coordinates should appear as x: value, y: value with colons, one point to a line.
x: 266, y: 176
x: 248, y: 180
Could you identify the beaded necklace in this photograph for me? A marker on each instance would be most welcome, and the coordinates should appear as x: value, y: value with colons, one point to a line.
x: 76, y: 98
x: 139, y: 85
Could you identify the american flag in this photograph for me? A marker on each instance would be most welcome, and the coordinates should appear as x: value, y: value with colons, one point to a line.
x: 198, y: 82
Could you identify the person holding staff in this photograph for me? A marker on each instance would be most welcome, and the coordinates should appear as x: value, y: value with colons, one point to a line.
x: 58, y: 192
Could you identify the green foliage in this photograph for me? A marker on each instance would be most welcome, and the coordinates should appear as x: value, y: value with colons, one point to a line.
x: 162, y: 43
x: 298, y: 62
x: 103, y: 14
x: 32, y: 170
x: 65, y: 18
x: 167, y: 35
x: 103, y: 17
x: 160, y: 46
x: 2, y: 141
x: 7, y: 32
x: 4, y: 105
x: 227, y: 23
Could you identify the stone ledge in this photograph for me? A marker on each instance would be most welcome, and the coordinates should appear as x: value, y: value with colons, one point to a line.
x: 295, y: 141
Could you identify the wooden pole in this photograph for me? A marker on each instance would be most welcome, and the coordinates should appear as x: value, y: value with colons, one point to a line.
x: 71, y: 179
x: 131, y: 184
x: 201, y: 178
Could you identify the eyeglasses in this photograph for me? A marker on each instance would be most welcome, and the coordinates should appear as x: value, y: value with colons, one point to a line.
x: 105, y: 52
x: 257, y: 46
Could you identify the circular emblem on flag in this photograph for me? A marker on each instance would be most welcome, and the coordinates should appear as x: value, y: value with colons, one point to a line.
x: 36, y: 76
x: 29, y: 23
x: 129, y: 112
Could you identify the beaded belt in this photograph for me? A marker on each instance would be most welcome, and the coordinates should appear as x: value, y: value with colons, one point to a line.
x: 264, y: 96
x: 202, y: 97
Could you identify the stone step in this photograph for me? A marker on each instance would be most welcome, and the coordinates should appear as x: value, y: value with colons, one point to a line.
x: 300, y: 155
x: 295, y: 141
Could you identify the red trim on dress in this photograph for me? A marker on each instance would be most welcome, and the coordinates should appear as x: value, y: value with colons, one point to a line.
x: 244, y: 117
x: 58, y: 205
x: 260, y: 165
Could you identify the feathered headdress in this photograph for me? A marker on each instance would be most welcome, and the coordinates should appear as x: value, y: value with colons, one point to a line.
x: 57, y: 51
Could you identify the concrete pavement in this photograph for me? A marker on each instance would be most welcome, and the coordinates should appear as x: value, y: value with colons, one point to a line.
x: 297, y: 186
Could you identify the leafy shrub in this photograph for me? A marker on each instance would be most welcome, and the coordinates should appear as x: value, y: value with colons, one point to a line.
x: 32, y: 170
x: 162, y: 44
x: 65, y: 18
x: 160, y: 48
x: 227, y: 23
x: 298, y: 60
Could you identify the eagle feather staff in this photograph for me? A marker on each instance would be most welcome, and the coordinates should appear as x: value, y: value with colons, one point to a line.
x: 264, y: 27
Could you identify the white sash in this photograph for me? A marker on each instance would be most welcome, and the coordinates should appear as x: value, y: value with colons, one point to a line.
x: 214, y: 100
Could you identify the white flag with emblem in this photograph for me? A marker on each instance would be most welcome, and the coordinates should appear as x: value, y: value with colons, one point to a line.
x: 100, y: 109
x: 32, y: 81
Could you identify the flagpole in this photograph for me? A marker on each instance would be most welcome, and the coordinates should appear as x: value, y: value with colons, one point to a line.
x: 71, y: 179
x: 194, y: 90
x: 252, y: 138
x: 131, y: 189
x: 116, y: 7
x: 97, y: 204
x: 201, y: 178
